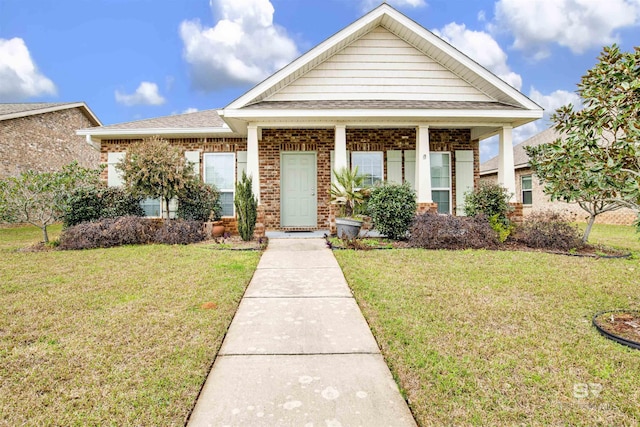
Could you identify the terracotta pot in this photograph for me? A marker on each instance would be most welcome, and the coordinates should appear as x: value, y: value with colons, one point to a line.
x: 217, y: 230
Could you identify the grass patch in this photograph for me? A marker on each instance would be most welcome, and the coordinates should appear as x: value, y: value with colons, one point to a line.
x: 114, y: 336
x: 498, y: 337
x: 616, y: 236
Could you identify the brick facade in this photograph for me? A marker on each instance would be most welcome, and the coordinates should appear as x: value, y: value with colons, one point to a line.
x: 541, y: 202
x: 45, y: 142
x: 320, y: 141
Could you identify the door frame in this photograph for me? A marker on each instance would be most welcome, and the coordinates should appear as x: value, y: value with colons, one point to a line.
x: 315, y: 182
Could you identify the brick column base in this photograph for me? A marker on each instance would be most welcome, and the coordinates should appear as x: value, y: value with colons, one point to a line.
x: 427, y: 207
x: 260, y: 229
x: 516, y: 216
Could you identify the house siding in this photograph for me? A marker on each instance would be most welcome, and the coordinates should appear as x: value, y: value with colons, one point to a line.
x: 542, y: 202
x: 45, y: 142
x: 380, y: 65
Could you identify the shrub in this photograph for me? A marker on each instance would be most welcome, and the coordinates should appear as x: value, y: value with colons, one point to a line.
x: 119, y: 202
x: 130, y: 230
x: 432, y: 231
x: 91, y: 203
x: 548, y: 230
x: 489, y: 200
x: 246, y: 208
x: 503, y: 230
x: 492, y: 201
x: 180, y: 232
x: 392, y: 207
x: 199, y: 202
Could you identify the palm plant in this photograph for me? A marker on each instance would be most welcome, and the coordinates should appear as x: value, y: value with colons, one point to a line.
x: 346, y: 191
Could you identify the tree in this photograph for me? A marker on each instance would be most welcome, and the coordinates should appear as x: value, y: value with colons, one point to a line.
x: 596, y: 162
x: 156, y: 169
x: 40, y: 198
x: 246, y: 207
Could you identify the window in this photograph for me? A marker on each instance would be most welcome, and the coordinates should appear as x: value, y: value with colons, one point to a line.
x: 151, y: 207
x: 220, y: 170
x: 370, y: 165
x: 441, y: 181
x: 527, y: 194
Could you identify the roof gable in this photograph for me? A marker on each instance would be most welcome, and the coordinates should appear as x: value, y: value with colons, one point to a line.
x: 379, y: 65
x: 435, y: 58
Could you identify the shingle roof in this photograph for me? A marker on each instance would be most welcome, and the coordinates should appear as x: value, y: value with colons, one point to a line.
x: 379, y: 104
x: 199, y: 119
x: 23, y: 109
x: 520, y: 158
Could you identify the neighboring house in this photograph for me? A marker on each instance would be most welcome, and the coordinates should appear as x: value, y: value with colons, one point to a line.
x: 530, y: 193
x: 42, y: 137
x: 384, y: 94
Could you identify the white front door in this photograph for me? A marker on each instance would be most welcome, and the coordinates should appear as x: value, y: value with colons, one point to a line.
x: 298, y: 185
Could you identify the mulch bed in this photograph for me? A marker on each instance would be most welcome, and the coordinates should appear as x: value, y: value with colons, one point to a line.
x: 621, y: 324
x: 234, y: 243
x: 367, y: 243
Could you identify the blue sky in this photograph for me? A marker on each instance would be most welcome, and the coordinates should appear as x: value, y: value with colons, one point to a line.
x: 134, y: 59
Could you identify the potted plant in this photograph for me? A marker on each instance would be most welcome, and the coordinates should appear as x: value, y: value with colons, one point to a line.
x: 348, y: 195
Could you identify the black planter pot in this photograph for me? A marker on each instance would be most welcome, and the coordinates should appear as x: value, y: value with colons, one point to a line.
x: 348, y: 227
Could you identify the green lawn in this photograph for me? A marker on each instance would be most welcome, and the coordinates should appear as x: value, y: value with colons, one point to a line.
x: 111, y: 336
x: 503, y: 338
x: 617, y: 236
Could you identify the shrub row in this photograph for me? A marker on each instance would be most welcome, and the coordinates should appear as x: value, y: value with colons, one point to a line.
x: 548, y: 230
x: 130, y: 230
x: 432, y: 231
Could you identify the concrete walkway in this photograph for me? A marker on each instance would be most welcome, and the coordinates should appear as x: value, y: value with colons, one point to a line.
x: 299, y: 352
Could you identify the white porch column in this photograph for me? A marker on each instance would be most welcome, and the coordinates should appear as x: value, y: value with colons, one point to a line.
x: 506, y: 169
x: 423, y: 165
x: 253, y: 165
x: 340, y: 149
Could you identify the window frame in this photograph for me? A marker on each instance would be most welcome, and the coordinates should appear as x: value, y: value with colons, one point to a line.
x: 380, y: 153
x: 450, y: 188
x: 529, y: 190
x: 232, y: 155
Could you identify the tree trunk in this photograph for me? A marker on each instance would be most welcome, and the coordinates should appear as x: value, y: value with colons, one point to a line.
x: 166, y: 211
x: 587, y: 231
x: 45, y: 236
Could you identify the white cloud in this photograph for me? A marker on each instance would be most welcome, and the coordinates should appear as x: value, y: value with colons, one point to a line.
x: 575, y: 24
x: 554, y: 100
x: 481, y: 47
x: 368, y: 5
x: 244, y: 46
x: 190, y: 110
x: 19, y: 76
x: 146, y: 94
